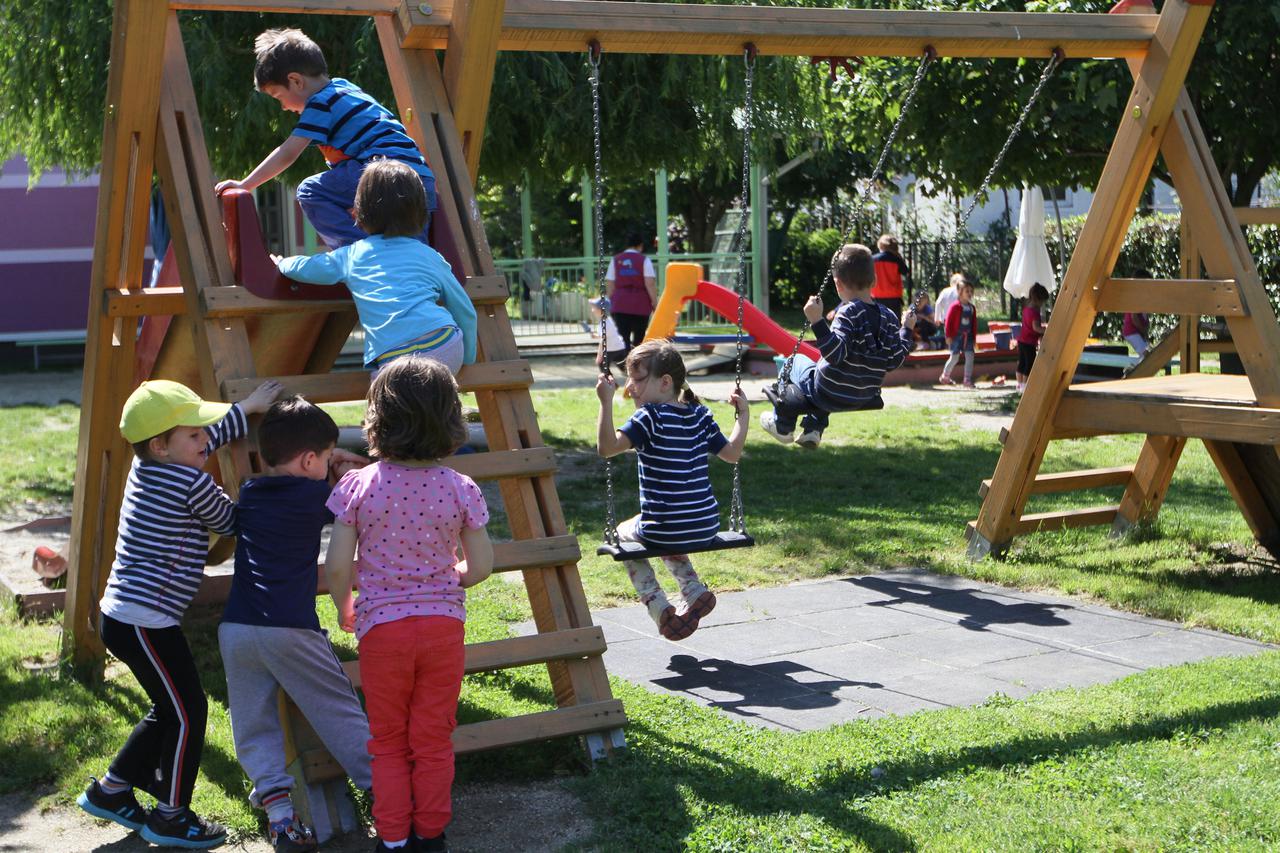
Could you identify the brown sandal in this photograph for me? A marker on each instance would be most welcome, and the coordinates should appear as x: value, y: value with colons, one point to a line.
x: 676, y: 626
x: 702, y: 605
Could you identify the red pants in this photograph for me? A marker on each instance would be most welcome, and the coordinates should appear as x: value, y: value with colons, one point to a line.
x: 411, y: 671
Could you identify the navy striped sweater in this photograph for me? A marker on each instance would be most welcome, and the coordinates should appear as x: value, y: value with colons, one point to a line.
x: 858, y: 348
x: 677, y: 507
x: 163, y: 538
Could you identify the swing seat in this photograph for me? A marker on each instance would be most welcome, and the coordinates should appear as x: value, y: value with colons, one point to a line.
x: 723, y: 541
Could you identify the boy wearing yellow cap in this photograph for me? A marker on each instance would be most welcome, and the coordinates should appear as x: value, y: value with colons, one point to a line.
x: 169, y: 506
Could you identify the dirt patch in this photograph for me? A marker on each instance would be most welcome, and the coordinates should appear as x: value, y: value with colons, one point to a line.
x: 535, y: 817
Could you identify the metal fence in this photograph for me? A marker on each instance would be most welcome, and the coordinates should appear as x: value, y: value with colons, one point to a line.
x: 549, y: 295
x: 986, y: 260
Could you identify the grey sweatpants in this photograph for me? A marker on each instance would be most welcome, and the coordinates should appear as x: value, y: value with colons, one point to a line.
x: 259, y: 661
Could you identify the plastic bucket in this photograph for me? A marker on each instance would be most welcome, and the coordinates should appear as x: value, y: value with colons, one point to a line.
x: 1002, y: 335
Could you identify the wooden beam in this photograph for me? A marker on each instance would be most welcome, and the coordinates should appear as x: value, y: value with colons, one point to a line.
x: 1072, y: 481
x: 348, y: 385
x: 1245, y: 424
x: 237, y: 301
x: 500, y: 464
x: 292, y: 7
x: 1158, y: 80
x: 1158, y: 357
x: 1145, y: 492
x: 1042, y: 521
x: 1171, y: 296
x: 151, y: 302
x: 567, y: 26
x: 469, y: 60
x: 1258, y: 215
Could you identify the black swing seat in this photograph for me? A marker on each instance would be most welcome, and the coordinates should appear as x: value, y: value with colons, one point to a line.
x: 723, y: 541
x: 794, y: 399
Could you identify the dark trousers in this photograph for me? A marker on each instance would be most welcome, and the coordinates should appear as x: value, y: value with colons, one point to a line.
x: 162, y: 754
x: 632, y: 328
x: 794, y: 401
x: 1026, y: 358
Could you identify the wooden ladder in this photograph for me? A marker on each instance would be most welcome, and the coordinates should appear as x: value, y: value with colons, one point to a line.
x: 224, y: 341
x: 1237, y: 417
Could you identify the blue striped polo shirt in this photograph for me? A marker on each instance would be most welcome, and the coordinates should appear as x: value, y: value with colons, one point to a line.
x: 858, y: 348
x: 163, y: 538
x: 342, y: 116
x: 677, y: 507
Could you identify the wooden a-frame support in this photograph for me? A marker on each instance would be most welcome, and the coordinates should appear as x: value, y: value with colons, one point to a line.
x: 1238, y: 418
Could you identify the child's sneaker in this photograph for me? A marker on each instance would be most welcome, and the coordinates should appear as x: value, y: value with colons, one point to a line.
x: 676, y: 626
x: 702, y: 605
x: 122, y: 807
x: 968, y: 383
x: 810, y: 440
x: 435, y: 844
x: 946, y: 380
x: 769, y: 423
x: 297, y: 837
x: 185, y: 829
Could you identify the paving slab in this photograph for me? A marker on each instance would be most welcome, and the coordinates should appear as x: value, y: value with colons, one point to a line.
x: 811, y: 655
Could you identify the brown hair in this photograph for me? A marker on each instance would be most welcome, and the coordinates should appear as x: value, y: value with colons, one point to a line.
x: 414, y: 411
x: 887, y: 243
x: 293, y: 426
x: 852, y: 266
x: 661, y: 358
x: 390, y: 200
x: 279, y: 53
x: 142, y: 449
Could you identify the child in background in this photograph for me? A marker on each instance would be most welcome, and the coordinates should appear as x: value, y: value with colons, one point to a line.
x: 270, y: 637
x: 672, y: 433
x: 398, y: 283
x: 948, y: 296
x: 1031, y: 331
x: 860, y: 345
x: 169, y: 506
x: 892, y: 274
x: 350, y: 128
x: 409, y: 618
x: 613, y: 345
x: 962, y: 332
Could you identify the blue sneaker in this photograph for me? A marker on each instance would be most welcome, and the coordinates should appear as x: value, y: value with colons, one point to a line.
x: 186, y: 829
x: 122, y: 808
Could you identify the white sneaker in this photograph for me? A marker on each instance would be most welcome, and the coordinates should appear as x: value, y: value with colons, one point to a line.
x: 810, y: 440
x: 769, y: 423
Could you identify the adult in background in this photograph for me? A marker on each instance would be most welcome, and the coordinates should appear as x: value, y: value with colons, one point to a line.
x: 632, y: 287
x: 892, y: 274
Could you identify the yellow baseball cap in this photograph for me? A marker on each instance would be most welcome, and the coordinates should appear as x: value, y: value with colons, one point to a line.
x: 158, y: 405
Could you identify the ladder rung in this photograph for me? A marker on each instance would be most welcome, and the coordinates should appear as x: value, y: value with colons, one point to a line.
x: 236, y: 301
x: 487, y: 289
x: 1040, y: 521
x: 1070, y: 481
x: 349, y: 385
x: 502, y: 464
x: 151, y: 301
x: 1212, y: 297
x: 517, y: 556
x: 573, y: 643
x: 319, y: 766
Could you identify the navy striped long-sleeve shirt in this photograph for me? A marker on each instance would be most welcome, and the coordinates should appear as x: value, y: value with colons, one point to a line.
x: 677, y: 506
x: 163, y: 537
x: 863, y: 343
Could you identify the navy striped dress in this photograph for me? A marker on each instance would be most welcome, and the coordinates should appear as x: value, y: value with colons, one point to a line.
x: 672, y: 441
x: 164, y: 522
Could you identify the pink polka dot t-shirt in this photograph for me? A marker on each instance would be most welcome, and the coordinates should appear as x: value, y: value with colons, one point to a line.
x: 408, y: 522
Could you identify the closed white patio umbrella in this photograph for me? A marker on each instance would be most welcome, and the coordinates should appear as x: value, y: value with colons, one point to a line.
x: 1030, y: 262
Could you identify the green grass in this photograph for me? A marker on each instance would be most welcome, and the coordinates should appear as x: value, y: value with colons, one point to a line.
x: 1179, y: 758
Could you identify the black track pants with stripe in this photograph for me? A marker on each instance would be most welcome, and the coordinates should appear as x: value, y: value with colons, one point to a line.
x: 162, y: 754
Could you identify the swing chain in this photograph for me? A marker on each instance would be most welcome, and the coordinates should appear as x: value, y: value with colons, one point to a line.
x: 925, y: 61
x: 593, y: 58
x: 737, y: 516
x: 1050, y: 67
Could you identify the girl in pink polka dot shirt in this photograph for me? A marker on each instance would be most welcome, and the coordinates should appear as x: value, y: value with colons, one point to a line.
x: 409, y: 514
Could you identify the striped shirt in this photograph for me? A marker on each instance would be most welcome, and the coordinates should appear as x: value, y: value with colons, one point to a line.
x: 341, y: 116
x: 863, y: 344
x: 163, y: 538
x: 677, y: 507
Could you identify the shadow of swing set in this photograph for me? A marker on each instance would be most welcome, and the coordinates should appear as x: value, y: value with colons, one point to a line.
x: 224, y: 326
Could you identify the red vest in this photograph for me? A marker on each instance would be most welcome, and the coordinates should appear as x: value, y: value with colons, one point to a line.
x: 630, y: 296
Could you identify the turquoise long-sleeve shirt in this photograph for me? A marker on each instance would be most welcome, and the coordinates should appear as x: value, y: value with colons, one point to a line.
x: 402, y: 288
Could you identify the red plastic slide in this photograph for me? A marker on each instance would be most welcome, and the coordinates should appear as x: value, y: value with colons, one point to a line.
x: 755, y: 322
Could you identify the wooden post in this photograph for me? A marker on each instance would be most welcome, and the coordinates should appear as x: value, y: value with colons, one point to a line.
x: 124, y: 192
x: 468, y: 70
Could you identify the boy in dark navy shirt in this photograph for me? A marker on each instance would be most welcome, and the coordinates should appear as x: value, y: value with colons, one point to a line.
x: 270, y: 637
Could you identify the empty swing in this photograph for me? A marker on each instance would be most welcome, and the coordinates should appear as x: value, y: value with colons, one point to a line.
x: 736, y: 536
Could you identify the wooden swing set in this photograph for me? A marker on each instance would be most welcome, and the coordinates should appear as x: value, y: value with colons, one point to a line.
x: 224, y: 339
